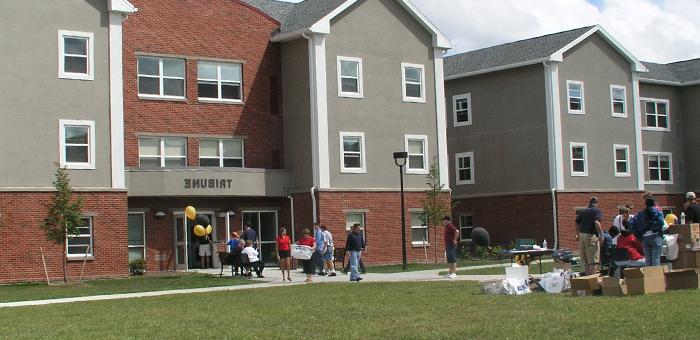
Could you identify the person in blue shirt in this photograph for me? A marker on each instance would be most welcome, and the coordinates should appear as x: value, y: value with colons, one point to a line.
x: 236, y: 245
x: 648, y: 225
x: 317, y: 257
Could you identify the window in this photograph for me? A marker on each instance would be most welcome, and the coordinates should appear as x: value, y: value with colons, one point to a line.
x: 622, y: 161
x: 659, y: 167
x: 419, y: 229
x: 656, y: 113
x: 349, y: 77
x: 413, y: 81
x: 464, y: 167
x: 137, y: 236
x: 462, y: 107
x: 466, y: 225
x: 162, y: 152
x: 618, y: 101
x: 77, y: 245
x: 355, y: 217
x: 352, y: 151
x: 579, y: 163
x: 77, y: 144
x: 416, y: 146
x: 161, y: 77
x: 76, y: 55
x: 219, y: 82
x: 575, y: 97
x: 225, y: 153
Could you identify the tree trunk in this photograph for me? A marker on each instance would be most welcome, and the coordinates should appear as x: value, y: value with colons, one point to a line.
x: 436, y: 243
x: 65, y: 263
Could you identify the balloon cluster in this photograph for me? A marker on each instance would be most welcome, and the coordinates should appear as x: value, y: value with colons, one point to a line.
x: 199, y: 222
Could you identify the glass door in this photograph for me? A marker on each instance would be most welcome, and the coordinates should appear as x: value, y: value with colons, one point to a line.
x: 265, y: 225
x: 180, y: 242
x: 186, y: 248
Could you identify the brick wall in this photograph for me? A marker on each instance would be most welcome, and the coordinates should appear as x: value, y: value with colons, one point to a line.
x: 222, y: 29
x: 21, y: 237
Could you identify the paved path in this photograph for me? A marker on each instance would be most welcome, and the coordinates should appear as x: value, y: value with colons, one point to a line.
x: 274, y: 279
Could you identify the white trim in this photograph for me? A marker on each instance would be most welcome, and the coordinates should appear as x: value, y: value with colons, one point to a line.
x: 405, y: 98
x: 468, y: 97
x: 341, y: 93
x: 441, y: 119
x: 161, y: 152
x: 319, y: 111
x: 582, y: 111
x: 116, y: 101
x: 585, y: 159
x: 470, y: 155
x: 122, y: 6
x: 635, y: 65
x: 143, y: 219
x: 90, y: 124
x: 460, y: 226
x: 636, y: 106
x: 220, y: 152
x: 424, y: 139
x: 91, y: 252
x: 363, y: 154
x: 670, y: 166
x: 439, y: 40
x: 424, y: 227
x: 624, y: 102
x: 90, y: 50
x: 553, y: 104
x: 627, y: 160
x: 668, y: 114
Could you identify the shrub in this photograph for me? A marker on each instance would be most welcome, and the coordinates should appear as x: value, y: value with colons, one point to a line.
x: 137, y: 267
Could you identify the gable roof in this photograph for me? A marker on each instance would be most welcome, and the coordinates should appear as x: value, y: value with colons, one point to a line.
x: 314, y: 16
x: 121, y: 6
x: 550, y: 47
x: 678, y: 73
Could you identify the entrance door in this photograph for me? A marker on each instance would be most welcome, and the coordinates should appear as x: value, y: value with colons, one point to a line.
x: 265, y: 225
x: 180, y: 242
x: 186, y: 249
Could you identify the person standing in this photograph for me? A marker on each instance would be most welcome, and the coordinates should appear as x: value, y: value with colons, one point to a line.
x: 328, y: 264
x: 451, y: 242
x: 589, y: 230
x: 648, y: 225
x: 284, y: 252
x: 250, y: 234
x: 317, y: 257
x: 307, y: 265
x: 692, y: 211
x: 204, y: 251
x: 355, y: 244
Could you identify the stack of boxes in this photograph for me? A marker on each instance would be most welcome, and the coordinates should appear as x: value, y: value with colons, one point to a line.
x: 688, y: 245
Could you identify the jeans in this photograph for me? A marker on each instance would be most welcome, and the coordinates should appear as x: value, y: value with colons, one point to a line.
x: 317, y: 261
x: 652, y: 249
x: 354, y: 262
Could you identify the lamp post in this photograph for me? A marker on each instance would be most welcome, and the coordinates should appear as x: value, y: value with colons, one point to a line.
x: 400, y: 160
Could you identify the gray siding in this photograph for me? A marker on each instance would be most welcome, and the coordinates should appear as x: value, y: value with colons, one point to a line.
x: 597, y: 65
x: 34, y: 98
x: 508, y: 134
x: 296, y: 111
x: 666, y: 141
x: 691, y: 132
x: 384, y: 35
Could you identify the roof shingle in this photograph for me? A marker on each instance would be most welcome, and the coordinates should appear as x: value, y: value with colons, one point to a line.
x: 296, y: 16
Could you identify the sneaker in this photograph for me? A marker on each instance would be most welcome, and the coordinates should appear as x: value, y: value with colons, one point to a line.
x: 289, y: 279
x: 321, y: 273
x: 452, y: 276
x: 331, y: 274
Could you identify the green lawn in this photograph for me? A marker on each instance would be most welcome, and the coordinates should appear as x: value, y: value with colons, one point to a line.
x: 395, y: 268
x: 40, y: 291
x: 447, y: 309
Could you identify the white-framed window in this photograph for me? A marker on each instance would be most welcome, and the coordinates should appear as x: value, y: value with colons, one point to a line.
x: 161, y: 77
x: 137, y: 236
x: 355, y: 217
x: 77, y: 245
x: 219, y: 82
x: 417, y: 148
x: 579, y: 158
x: 618, y: 101
x: 76, y: 55
x: 77, y: 144
x: 575, y: 97
x: 462, y: 109
x: 162, y: 152
x: 657, y: 114
x: 352, y: 152
x: 419, y: 229
x: 413, y: 82
x: 225, y: 153
x: 350, y: 77
x: 621, y: 154
x: 659, y: 167
x: 466, y: 225
x: 464, y: 168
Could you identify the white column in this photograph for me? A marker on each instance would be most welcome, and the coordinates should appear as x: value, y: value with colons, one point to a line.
x: 638, y: 130
x: 441, y: 118
x: 556, y: 160
x: 319, y: 111
x: 116, y: 101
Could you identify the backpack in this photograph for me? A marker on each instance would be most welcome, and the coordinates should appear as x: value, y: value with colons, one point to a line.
x: 653, y: 224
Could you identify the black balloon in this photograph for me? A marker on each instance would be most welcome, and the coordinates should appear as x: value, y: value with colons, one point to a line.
x: 202, y: 220
x: 480, y: 237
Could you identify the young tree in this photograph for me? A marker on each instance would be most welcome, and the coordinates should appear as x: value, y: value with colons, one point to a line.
x: 434, y: 204
x: 64, y: 215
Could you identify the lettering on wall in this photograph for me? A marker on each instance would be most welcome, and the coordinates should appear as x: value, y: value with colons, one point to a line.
x: 207, y: 183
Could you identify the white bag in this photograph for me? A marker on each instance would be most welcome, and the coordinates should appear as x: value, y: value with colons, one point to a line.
x: 515, y: 287
x: 671, y: 248
x: 301, y: 252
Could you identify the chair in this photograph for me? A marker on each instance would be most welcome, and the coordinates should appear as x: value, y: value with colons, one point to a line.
x: 245, y: 263
x: 621, y: 260
x: 339, y: 254
x: 224, y: 258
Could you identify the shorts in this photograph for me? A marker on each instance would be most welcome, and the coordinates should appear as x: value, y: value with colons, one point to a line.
x: 328, y: 255
x: 204, y: 250
x: 590, y: 249
x: 306, y: 265
x: 285, y: 254
x: 451, y: 253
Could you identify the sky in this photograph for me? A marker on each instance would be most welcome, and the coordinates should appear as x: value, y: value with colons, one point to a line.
x: 658, y: 31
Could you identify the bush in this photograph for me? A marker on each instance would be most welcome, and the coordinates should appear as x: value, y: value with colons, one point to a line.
x: 137, y: 267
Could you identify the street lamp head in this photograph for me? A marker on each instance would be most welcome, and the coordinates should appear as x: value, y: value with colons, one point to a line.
x: 400, y: 158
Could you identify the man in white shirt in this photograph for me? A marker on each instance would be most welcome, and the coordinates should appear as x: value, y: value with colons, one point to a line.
x: 619, y: 220
x: 328, y: 249
x: 253, y: 259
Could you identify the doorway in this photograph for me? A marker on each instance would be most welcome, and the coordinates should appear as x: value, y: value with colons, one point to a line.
x: 264, y: 222
x: 186, y: 246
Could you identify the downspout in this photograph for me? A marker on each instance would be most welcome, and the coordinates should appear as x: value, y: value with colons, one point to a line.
x: 313, y: 203
x: 291, y: 208
x: 554, y: 218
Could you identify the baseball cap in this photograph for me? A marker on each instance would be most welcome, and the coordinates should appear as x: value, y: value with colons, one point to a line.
x: 690, y: 195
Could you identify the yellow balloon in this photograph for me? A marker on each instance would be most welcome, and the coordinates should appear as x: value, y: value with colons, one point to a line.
x: 190, y: 212
x: 208, y: 230
x: 199, y: 230
x: 671, y: 219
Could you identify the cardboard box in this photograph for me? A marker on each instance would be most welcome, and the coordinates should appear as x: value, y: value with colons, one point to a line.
x: 586, y: 285
x: 613, y: 286
x: 645, y: 280
x: 687, y: 259
x: 692, y: 231
x: 683, y: 279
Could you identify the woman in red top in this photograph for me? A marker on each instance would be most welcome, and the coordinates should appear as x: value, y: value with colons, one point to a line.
x: 307, y: 240
x: 284, y: 252
x: 627, y: 241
